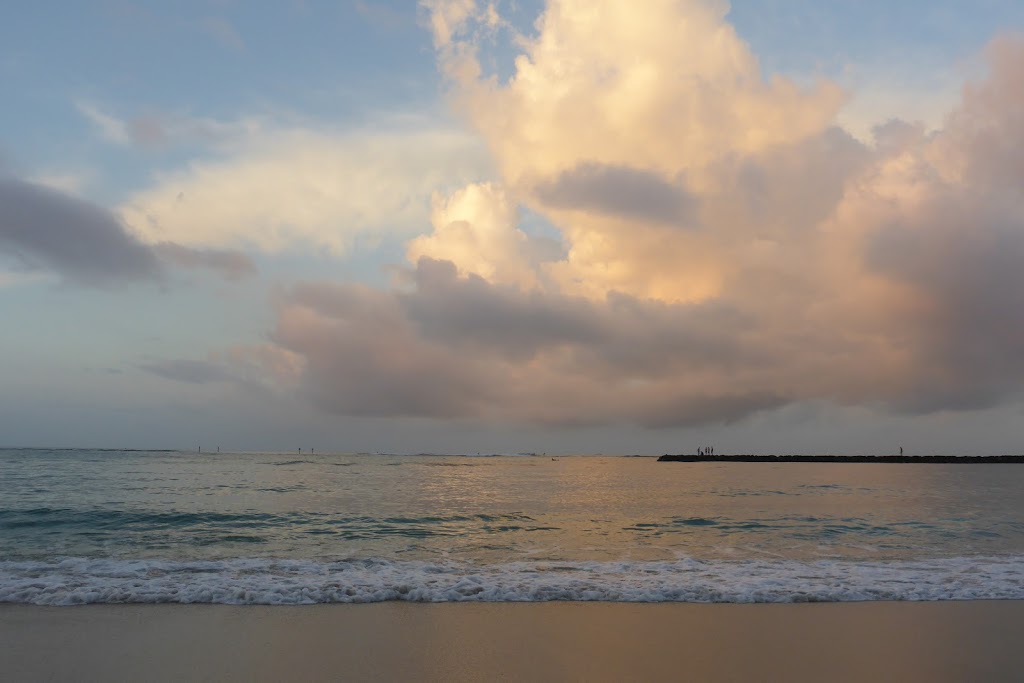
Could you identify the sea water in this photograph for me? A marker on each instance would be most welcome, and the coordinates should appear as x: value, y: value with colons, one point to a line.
x: 88, y: 526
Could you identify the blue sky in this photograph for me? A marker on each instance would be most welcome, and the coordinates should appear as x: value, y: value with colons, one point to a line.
x: 278, y: 170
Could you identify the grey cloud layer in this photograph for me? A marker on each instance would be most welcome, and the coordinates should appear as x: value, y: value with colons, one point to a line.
x: 189, y: 371
x: 458, y: 347
x: 233, y: 265
x: 83, y: 242
x: 462, y: 347
x: 86, y: 244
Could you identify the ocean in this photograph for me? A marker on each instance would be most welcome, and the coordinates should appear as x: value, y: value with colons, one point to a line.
x: 98, y: 526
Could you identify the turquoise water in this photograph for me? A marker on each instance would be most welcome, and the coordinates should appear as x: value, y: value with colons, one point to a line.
x: 131, y: 526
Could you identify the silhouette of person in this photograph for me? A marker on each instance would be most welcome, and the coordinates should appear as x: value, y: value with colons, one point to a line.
x: 901, y: 450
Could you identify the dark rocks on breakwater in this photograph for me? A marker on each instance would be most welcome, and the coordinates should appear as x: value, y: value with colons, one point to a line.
x: 913, y: 459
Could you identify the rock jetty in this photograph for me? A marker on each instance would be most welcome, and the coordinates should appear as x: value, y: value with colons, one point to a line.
x: 912, y: 459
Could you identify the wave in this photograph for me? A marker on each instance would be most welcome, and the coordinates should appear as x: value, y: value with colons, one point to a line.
x: 74, y: 581
x: 148, y: 520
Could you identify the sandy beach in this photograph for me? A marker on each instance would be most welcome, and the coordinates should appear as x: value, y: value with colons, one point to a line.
x: 907, y: 641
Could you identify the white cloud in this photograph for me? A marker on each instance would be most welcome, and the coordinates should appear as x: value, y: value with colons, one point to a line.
x: 110, y: 127
x: 661, y: 101
x: 475, y: 228
x: 159, y: 128
x: 71, y: 182
x: 448, y: 17
x: 221, y: 30
x: 294, y: 188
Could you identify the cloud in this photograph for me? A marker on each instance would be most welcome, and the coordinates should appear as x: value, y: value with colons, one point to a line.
x: 156, y: 129
x: 276, y: 184
x: 43, y: 228
x: 618, y: 125
x: 813, y: 267
x: 233, y: 265
x: 447, y: 17
x: 221, y: 30
x: 462, y: 347
x: 188, y: 371
x: 619, y: 191
x: 84, y: 243
x: 668, y: 90
x: 110, y: 127
x: 259, y: 367
x: 284, y: 189
x: 475, y: 228
x: 69, y: 182
x: 942, y: 221
x: 18, y: 279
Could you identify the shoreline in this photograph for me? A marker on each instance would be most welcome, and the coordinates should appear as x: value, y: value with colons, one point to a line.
x: 874, y: 459
x: 907, y: 641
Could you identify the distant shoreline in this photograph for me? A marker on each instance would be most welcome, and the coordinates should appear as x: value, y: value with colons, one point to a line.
x: 912, y: 459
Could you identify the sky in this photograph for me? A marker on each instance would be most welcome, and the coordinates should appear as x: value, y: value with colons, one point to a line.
x: 562, y: 226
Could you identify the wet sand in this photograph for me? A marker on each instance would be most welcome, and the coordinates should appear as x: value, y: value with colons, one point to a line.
x: 913, y: 641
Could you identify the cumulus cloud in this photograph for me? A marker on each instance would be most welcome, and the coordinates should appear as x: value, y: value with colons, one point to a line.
x: 45, y: 229
x: 667, y: 89
x: 616, y: 124
x: 726, y: 247
x: 476, y: 229
x: 940, y: 220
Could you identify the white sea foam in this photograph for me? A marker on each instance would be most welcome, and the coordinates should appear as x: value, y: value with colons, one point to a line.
x: 73, y: 581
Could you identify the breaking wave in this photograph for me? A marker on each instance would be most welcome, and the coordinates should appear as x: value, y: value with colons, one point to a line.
x: 75, y: 581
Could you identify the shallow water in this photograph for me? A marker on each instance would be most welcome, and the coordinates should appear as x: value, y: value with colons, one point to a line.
x: 130, y: 526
